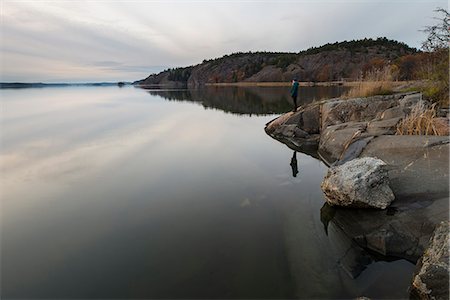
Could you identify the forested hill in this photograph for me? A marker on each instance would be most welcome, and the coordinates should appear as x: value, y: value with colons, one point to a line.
x: 347, y: 60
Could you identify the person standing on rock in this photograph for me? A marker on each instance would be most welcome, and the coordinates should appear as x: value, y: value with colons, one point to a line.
x: 294, y: 92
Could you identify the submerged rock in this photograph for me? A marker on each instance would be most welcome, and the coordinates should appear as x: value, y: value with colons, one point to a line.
x: 361, y: 182
x: 432, y: 279
x: 403, y: 230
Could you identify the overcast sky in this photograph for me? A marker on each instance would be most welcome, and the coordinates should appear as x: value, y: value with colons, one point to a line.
x: 86, y: 41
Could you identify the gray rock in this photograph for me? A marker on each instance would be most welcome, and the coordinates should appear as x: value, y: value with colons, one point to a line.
x: 361, y: 182
x: 286, y: 130
x: 335, y: 139
x: 294, y: 118
x: 300, y: 133
x: 431, y: 281
x: 394, y: 112
x: 354, y: 150
x: 407, y: 102
x: 383, y: 127
x: 356, y: 110
x: 403, y: 230
x: 418, y: 165
x: 310, y: 121
x: 274, y: 125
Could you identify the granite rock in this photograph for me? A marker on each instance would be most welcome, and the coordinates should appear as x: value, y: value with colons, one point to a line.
x: 362, y: 182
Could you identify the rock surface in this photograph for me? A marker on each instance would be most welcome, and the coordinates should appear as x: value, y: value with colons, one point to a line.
x: 359, y: 183
x: 346, y: 121
x: 418, y: 165
x: 432, y: 278
x: 418, y: 172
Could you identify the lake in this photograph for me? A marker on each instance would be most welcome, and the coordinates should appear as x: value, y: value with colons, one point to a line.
x: 111, y: 192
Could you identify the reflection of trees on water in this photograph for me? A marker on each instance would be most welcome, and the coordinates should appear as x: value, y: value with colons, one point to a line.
x: 249, y: 100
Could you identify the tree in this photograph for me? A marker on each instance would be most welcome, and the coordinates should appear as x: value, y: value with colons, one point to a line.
x: 436, y: 46
x: 439, y: 34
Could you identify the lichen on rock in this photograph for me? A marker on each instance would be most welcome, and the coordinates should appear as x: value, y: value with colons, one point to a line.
x: 431, y: 281
x: 361, y: 182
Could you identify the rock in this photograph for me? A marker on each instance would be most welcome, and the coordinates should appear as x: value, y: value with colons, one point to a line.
x: 286, y: 130
x: 294, y: 118
x: 383, y: 127
x: 418, y: 165
x: 361, y: 182
x: 298, y: 133
x: 403, y: 230
x: 354, y: 150
x: 310, y: 120
x: 277, y: 122
x: 442, y: 125
x: 394, y: 112
x: 335, y: 139
x: 431, y: 281
x: 407, y: 102
x: 356, y: 110
x: 390, y: 239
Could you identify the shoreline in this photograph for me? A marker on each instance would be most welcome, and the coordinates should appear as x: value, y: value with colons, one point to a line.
x: 302, y: 83
x: 417, y: 170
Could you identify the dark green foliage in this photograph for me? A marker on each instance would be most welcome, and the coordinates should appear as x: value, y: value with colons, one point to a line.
x: 179, y: 74
x: 235, y: 77
x: 361, y: 46
x: 253, y: 68
x: 284, y: 60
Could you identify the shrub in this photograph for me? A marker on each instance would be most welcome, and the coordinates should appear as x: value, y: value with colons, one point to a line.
x: 376, y: 82
x: 437, y: 45
x: 423, y: 120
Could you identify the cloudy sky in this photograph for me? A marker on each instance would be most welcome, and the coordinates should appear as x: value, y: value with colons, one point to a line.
x: 87, y: 41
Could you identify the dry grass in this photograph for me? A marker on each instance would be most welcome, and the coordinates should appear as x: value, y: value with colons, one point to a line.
x: 423, y: 121
x: 377, y: 82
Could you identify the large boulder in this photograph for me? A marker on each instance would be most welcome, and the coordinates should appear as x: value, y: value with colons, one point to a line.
x: 361, y: 182
x: 432, y: 278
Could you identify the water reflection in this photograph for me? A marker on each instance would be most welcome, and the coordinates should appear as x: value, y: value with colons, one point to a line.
x: 363, y: 266
x: 250, y: 100
x: 115, y: 193
x: 294, y: 165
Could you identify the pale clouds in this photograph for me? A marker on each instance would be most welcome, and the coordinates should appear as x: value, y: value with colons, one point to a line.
x: 55, y: 41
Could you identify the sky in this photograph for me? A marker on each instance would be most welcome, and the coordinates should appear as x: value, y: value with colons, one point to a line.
x: 93, y: 41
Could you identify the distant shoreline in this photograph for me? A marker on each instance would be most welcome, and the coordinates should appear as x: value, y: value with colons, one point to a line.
x: 20, y: 85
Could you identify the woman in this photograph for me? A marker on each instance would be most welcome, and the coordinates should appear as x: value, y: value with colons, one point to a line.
x: 294, y: 92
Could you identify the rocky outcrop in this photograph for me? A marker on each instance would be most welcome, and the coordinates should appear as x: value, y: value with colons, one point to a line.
x: 365, y: 127
x: 331, y: 62
x: 359, y: 183
x: 431, y: 281
x: 344, y: 122
x: 417, y: 168
x: 287, y: 127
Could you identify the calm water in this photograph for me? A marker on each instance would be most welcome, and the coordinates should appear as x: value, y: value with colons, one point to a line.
x: 111, y: 192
